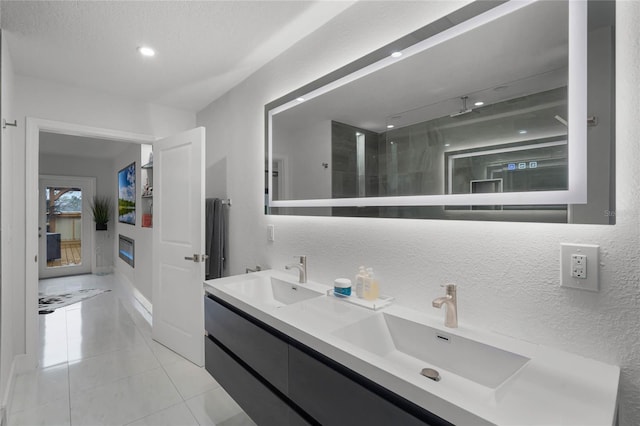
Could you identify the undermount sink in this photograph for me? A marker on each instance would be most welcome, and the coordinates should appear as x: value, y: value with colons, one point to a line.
x: 415, y: 346
x: 271, y: 291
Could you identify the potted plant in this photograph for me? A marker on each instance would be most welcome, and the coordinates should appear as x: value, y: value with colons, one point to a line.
x: 101, y: 209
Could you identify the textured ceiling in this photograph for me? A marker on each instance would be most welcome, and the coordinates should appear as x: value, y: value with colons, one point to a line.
x: 203, y: 47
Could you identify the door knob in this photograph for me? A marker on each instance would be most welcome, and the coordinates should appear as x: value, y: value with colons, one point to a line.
x: 197, y: 257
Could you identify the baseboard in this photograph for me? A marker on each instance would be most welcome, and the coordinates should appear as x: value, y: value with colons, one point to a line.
x: 132, y: 295
x: 143, y: 300
x: 7, y: 398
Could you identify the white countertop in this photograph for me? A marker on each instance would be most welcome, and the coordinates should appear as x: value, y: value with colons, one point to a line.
x: 552, y: 388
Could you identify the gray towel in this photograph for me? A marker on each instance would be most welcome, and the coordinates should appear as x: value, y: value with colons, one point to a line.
x: 214, y: 238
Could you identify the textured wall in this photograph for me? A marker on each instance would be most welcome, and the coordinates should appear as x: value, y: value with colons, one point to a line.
x: 508, y: 273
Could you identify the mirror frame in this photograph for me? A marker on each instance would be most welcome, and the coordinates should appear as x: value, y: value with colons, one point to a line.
x: 460, y: 21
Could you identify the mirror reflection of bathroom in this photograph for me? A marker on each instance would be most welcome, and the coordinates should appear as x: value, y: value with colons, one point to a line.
x: 276, y: 178
x: 440, y: 124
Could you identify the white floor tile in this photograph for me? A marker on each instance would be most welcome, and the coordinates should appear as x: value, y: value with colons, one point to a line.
x: 125, y: 400
x: 178, y: 415
x: 213, y: 407
x: 52, y: 414
x: 241, y: 419
x: 109, y: 340
x: 99, y: 370
x: 52, y: 339
x: 190, y: 379
x: 105, y: 369
x: 40, y: 387
x: 163, y: 354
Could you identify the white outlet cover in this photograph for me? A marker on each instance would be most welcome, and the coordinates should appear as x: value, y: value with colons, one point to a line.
x: 591, y: 283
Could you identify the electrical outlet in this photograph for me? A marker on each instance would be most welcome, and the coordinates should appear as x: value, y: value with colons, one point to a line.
x: 579, y: 266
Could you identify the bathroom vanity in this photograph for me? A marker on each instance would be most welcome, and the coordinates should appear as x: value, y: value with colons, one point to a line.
x: 292, y: 353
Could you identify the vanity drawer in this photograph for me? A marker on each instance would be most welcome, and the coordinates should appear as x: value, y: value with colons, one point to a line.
x: 332, y: 398
x: 257, y: 400
x: 260, y: 350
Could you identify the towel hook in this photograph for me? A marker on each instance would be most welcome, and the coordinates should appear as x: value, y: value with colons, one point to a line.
x: 5, y: 123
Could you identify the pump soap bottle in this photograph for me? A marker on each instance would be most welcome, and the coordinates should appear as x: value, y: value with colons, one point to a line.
x: 371, y: 286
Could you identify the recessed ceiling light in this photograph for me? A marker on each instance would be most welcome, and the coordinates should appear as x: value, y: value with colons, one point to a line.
x: 522, y: 132
x: 146, y: 51
x: 300, y: 99
x: 447, y: 144
x: 479, y: 103
x: 396, y: 54
x: 390, y: 126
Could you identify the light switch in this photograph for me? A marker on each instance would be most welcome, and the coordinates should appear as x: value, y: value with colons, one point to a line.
x: 271, y: 233
x: 579, y: 266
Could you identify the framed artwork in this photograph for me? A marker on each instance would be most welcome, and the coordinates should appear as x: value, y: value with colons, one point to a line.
x: 127, y: 194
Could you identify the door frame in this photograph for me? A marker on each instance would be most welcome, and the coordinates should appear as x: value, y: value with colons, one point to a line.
x: 89, y: 183
x: 32, y: 149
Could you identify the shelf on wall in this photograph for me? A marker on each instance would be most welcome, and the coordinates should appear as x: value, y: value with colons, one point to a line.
x: 147, y: 166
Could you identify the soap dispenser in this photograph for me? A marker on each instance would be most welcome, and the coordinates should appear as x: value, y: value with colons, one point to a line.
x: 371, y: 286
x: 360, y: 277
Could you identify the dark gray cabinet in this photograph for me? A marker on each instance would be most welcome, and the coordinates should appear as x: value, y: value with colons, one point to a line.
x: 279, y: 381
x: 334, y: 399
x: 265, y: 353
x: 257, y: 400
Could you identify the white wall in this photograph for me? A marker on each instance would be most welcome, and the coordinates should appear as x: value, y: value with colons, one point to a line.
x: 508, y: 273
x: 140, y: 275
x: 303, y: 151
x: 52, y: 101
x: 9, y: 313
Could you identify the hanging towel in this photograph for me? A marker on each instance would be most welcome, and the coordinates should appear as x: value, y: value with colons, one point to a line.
x: 214, y: 238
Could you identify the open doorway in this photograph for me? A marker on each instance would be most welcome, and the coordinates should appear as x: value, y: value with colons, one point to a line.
x: 35, y: 131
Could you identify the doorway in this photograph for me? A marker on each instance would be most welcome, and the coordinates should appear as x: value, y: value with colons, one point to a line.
x: 34, y: 127
x: 65, y: 238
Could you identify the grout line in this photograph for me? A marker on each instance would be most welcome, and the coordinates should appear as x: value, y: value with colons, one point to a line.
x: 192, y: 413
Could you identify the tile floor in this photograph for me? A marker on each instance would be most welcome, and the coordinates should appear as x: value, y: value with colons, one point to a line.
x: 100, y: 366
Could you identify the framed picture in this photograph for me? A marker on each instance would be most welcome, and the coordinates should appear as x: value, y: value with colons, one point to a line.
x: 127, y: 194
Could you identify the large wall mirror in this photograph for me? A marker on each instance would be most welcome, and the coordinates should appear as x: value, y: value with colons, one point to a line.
x: 498, y: 111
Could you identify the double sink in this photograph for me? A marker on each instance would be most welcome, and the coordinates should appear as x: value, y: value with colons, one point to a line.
x: 410, y: 345
x: 484, y: 378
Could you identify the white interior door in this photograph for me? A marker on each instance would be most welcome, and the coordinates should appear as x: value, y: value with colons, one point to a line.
x: 65, y: 225
x: 178, y: 234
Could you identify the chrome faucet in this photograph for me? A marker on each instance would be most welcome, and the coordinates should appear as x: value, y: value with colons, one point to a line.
x: 302, y: 268
x: 450, y: 300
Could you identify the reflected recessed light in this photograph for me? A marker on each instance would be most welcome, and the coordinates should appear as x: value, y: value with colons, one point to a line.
x: 391, y: 142
x: 300, y: 99
x: 522, y: 132
x: 396, y: 54
x: 479, y: 103
x: 146, y: 51
x: 390, y: 126
x: 447, y: 144
x: 358, y: 133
